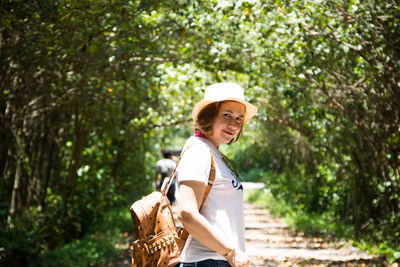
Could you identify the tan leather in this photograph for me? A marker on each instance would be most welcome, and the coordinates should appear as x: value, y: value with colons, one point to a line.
x: 159, y: 243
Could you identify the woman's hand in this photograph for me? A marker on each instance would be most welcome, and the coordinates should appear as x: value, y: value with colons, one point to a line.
x: 237, y: 258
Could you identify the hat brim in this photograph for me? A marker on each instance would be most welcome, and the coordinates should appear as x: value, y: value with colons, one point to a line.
x: 251, y: 110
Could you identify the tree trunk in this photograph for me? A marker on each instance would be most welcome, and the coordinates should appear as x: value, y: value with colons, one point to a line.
x: 15, y: 193
x: 79, y: 144
x: 355, y: 208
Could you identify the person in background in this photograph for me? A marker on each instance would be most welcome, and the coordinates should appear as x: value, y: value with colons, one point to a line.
x: 164, y: 168
x: 216, y: 232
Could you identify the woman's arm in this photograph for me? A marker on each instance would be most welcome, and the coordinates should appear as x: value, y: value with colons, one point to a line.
x: 190, y: 197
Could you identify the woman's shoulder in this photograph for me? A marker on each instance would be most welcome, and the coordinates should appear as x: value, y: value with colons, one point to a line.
x: 196, y: 141
x: 197, y: 145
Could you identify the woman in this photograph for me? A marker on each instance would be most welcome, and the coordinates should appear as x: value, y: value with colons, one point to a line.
x: 217, y: 230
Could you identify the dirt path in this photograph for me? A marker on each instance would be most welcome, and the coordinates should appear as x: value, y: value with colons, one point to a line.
x: 269, y: 242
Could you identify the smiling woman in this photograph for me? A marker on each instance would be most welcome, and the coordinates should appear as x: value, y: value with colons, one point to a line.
x: 217, y: 230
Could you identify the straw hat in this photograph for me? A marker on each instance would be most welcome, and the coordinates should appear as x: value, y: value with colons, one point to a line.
x: 225, y: 92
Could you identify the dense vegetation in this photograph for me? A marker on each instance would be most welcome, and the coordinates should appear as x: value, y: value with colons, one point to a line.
x: 92, y: 90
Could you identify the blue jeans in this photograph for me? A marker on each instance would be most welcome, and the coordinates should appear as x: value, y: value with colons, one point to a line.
x: 205, y: 263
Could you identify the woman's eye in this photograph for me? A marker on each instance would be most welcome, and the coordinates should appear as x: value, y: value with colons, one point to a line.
x: 227, y: 115
x: 240, y: 119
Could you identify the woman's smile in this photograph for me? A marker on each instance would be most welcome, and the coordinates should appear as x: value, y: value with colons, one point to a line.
x: 228, y: 132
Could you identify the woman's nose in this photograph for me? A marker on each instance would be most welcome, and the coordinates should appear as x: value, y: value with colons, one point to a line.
x: 232, y: 122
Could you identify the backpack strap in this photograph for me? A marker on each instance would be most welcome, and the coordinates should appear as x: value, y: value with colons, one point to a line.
x: 167, y: 182
x: 210, y: 181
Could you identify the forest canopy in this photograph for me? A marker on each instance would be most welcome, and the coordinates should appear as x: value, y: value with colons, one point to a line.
x: 92, y: 90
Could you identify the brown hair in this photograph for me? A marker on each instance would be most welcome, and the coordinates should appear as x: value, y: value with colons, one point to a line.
x: 206, y: 118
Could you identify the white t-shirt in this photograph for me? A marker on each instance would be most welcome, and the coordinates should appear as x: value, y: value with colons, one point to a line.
x: 165, y: 167
x: 223, y: 208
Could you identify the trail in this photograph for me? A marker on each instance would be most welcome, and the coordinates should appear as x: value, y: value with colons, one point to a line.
x: 270, y: 242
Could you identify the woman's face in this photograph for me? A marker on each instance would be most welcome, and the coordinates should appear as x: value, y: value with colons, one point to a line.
x: 228, y: 122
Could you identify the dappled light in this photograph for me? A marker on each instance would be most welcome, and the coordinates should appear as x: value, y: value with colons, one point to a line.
x: 92, y: 91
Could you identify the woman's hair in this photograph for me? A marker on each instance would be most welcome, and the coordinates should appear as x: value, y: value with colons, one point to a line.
x: 206, y: 118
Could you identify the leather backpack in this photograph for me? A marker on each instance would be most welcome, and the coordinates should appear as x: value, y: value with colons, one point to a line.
x: 159, y: 241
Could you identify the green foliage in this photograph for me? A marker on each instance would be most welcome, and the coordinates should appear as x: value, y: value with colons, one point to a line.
x: 24, y: 240
x: 265, y: 199
x: 318, y: 224
x: 97, y: 247
x: 392, y: 253
x: 76, y: 114
x: 88, y: 251
x: 327, y: 109
x: 92, y: 91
